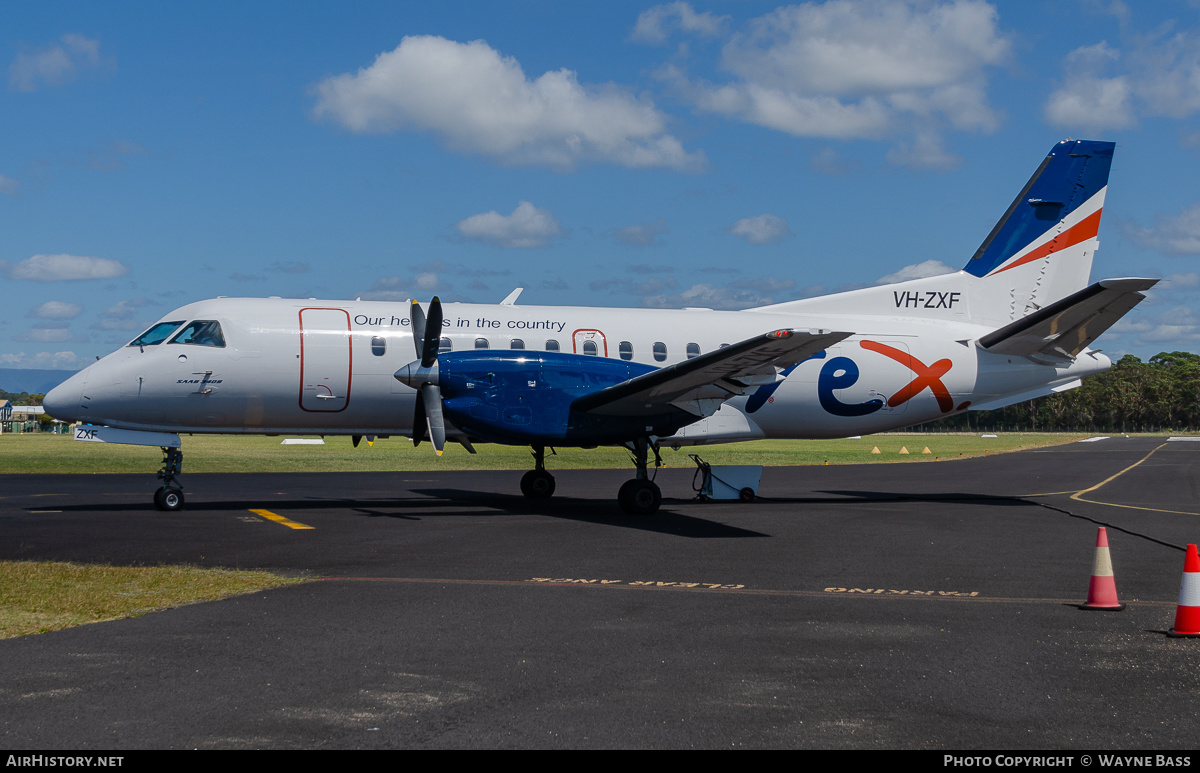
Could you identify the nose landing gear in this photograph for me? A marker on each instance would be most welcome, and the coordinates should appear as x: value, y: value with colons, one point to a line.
x: 170, y: 496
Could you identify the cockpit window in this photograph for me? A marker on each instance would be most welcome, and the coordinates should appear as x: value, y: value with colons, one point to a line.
x: 201, y: 332
x: 156, y: 334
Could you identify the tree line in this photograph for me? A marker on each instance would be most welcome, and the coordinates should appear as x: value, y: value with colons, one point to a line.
x: 22, y: 398
x: 1132, y: 396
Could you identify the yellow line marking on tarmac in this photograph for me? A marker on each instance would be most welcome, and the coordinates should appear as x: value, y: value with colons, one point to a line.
x: 1078, y: 495
x: 1047, y: 494
x: 280, y: 519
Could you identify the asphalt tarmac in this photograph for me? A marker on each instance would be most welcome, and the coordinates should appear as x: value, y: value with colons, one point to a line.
x: 930, y: 605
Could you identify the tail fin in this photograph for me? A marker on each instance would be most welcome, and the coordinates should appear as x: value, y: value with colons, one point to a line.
x: 1041, y: 250
x: 1039, y: 253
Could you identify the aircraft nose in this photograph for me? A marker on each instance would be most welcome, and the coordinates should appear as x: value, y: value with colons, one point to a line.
x: 62, y: 402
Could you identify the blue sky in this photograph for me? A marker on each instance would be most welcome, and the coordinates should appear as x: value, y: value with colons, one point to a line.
x: 721, y: 154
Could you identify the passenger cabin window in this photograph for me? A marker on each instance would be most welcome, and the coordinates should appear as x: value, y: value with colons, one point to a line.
x: 551, y: 345
x: 481, y: 343
x: 445, y: 345
x: 378, y: 345
x: 626, y: 349
x: 660, y: 351
x: 517, y: 343
x: 156, y: 334
x: 693, y: 350
x: 201, y: 332
x: 589, y: 348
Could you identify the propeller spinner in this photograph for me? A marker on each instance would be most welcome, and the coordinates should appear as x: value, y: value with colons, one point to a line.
x: 422, y: 374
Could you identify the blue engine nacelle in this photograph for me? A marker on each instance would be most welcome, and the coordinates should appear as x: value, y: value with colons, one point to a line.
x: 524, y: 397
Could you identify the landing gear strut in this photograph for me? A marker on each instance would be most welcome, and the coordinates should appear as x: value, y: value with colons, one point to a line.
x: 538, y: 483
x: 641, y: 496
x: 170, y: 496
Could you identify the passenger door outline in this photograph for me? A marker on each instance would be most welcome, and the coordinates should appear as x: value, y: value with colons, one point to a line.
x: 326, y: 364
x: 585, y: 334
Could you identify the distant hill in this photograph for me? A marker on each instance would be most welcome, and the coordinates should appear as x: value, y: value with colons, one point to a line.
x: 32, y: 380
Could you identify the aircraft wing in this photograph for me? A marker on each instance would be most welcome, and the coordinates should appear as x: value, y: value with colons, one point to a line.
x: 1060, y: 331
x: 701, y: 384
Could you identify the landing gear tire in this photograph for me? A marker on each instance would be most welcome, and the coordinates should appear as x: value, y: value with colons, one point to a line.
x: 537, y: 484
x: 169, y: 499
x: 639, y: 497
x: 746, y: 494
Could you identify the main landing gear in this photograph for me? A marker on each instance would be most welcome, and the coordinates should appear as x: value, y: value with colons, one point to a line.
x: 170, y: 496
x: 538, y: 483
x: 639, y: 496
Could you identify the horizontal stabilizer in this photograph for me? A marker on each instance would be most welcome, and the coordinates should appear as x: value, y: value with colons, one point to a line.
x: 1060, y: 331
x: 701, y: 384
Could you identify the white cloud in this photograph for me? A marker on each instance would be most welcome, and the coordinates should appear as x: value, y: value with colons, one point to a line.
x: 652, y: 286
x: 917, y: 271
x: 60, y: 268
x: 1173, y: 234
x: 828, y: 161
x: 761, y: 229
x: 47, y: 360
x: 740, y: 294
x: 1156, y: 74
x: 53, y: 65
x: 57, y: 310
x: 50, y: 335
x: 1168, y: 74
x: 642, y: 234
x: 1180, y: 281
x: 8, y: 186
x: 124, y: 316
x: 854, y: 69
x: 1173, y: 329
x: 1088, y: 101
x: 404, y: 288
x: 925, y: 151
x: 477, y: 101
x: 655, y: 24
x: 527, y: 226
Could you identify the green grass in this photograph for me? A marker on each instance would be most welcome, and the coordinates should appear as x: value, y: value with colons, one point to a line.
x: 45, y: 453
x: 36, y: 597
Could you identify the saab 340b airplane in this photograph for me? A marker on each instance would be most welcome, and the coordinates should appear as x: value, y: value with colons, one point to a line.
x: 1014, y: 324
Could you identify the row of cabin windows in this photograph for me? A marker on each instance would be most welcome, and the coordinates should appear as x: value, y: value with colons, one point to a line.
x: 625, y: 348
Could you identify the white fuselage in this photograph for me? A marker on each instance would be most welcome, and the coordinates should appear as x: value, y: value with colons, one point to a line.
x: 326, y: 367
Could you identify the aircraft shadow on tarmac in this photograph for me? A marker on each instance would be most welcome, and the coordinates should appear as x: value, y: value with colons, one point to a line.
x: 447, y: 502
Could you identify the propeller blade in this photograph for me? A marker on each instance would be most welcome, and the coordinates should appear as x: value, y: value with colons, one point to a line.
x: 419, y: 421
x: 432, y: 395
x: 433, y: 332
x: 418, y: 327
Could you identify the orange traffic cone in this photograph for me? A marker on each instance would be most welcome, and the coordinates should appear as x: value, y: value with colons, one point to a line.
x: 1187, y: 613
x: 1102, y: 590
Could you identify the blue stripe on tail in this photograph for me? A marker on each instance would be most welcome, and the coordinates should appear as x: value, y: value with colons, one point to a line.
x: 1074, y: 171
